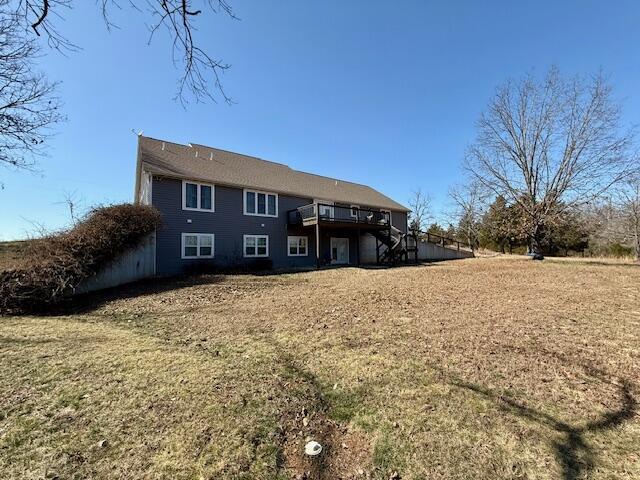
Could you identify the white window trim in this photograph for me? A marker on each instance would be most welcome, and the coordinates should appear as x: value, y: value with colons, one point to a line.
x: 199, y: 184
x: 297, y: 237
x: 351, y: 207
x: 256, y: 236
x: 198, y: 235
x: 266, y: 206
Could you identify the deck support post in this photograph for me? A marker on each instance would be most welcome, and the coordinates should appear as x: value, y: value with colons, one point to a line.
x: 358, y: 248
x: 317, y: 245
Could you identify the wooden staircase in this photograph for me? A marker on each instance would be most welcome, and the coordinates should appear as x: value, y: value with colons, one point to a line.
x: 396, y: 244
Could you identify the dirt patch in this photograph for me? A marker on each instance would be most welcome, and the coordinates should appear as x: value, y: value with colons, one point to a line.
x: 346, y: 454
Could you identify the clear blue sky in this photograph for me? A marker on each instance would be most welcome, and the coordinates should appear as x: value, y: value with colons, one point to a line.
x: 382, y: 93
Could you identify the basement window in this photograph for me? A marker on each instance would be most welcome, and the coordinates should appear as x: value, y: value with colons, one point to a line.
x: 197, y: 245
x: 297, y: 246
x: 256, y: 245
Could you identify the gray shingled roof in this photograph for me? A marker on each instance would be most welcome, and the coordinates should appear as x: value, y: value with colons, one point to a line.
x: 198, y: 162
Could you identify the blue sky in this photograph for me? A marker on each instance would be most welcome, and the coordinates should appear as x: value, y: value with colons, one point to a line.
x: 382, y: 93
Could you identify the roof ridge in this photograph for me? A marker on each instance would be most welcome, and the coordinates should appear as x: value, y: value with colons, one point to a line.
x: 242, y: 155
x: 326, y: 180
x: 283, y: 164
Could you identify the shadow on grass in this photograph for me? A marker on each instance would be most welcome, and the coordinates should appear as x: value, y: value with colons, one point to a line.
x: 88, y: 302
x: 573, y: 453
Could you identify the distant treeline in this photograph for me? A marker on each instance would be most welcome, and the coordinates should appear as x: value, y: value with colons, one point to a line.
x: 600, y: 230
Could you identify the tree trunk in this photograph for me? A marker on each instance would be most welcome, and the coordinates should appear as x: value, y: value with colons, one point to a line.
x: 535, y: 243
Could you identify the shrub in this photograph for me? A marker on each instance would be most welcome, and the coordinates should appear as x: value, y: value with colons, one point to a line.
x: 55, y: 265
x: 619, y: 251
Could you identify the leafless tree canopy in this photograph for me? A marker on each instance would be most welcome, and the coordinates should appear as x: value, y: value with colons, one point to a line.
x: 550, y: 145
x: 420, y: 205
x: 201, y: 73
x: 28, y: 105
x: 469, y: 206
x: 618, y: 219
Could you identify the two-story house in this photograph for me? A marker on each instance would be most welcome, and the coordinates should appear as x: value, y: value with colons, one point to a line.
x: 230, y: 209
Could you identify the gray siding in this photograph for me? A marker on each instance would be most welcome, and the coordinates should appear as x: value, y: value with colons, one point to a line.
x: 228, y: 224
x: 399, y: 220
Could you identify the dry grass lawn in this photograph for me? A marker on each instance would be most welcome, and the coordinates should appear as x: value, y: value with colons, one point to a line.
x: 11, y: 253
x: 476, y: 369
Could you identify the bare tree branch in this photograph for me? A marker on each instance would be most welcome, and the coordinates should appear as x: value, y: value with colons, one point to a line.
x: 420, y: 205
x: 28, y: 105
x: 201, y: 73
x: 470, y: 202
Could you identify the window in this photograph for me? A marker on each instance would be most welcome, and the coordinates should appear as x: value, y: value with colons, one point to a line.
x: 197, y: 245
x: 256, y: 245
x: 324, y: 208
x: 354, y: 211
x: 263, y: 204
x: 197, y: 196
x: 297, y: 246
x: 386, y: 216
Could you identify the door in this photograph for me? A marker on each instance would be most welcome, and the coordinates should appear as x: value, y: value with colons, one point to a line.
x: 339, y: 251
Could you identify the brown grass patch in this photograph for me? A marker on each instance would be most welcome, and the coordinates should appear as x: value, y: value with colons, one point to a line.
x: 483, y: 368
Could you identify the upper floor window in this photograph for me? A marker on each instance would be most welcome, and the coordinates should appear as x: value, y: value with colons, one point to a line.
x: 260, y: 203
x: 354, y: 210
x: 198, y: 196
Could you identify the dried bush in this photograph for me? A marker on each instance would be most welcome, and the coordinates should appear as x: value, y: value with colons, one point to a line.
x: 55, y: 265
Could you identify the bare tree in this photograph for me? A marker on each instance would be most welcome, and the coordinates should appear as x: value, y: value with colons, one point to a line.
x: 469, y: 206
x: 75, y: 205
x: 199, y: 69
x: 550, y: 146
x: 630, y: 210
x: 28, y: 105
x: 420, y: 205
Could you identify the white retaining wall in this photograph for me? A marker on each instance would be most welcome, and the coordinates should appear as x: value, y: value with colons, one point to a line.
x: 134, y: 265
x: 426, y: 251
x: 432, y: 251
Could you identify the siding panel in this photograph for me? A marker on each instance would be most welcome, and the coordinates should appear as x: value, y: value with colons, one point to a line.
x: 228, y: 223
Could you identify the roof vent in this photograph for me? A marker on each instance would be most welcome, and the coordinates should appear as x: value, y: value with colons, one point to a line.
x: 336, y: 183
x: 196, y: 153
x: 163, y: 146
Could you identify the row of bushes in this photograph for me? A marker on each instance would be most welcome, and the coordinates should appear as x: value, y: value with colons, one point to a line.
x: 53, y: 266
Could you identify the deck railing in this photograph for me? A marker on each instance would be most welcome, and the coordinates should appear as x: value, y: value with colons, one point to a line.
x: 323, y: 212
x: 440, y: 240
